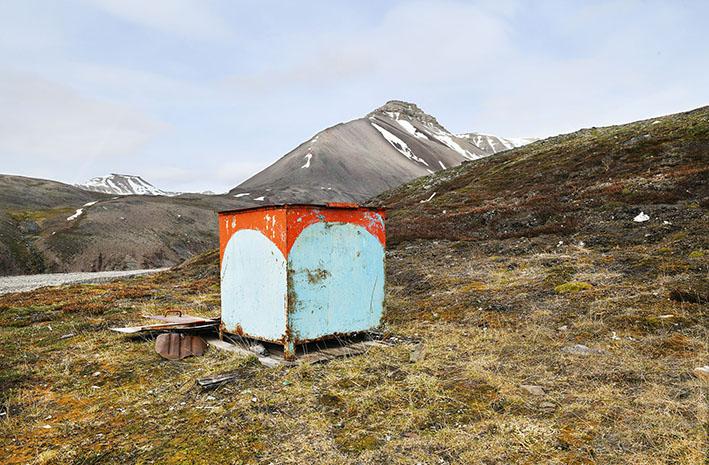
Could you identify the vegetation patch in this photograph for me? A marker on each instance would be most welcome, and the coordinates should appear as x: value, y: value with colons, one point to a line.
x: 572, y: 287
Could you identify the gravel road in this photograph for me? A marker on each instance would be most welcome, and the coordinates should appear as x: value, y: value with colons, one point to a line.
x: 28, y: 282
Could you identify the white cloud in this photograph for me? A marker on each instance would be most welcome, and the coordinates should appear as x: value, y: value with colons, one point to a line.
x: 488, y: 67
x: 190, y: 18
x: 413, y: 42
x: 44, y: 119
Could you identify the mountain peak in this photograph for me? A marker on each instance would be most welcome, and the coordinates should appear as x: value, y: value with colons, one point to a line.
x: 398, y: 109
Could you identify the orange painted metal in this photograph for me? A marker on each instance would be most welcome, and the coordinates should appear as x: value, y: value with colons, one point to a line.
x: 269, y: 221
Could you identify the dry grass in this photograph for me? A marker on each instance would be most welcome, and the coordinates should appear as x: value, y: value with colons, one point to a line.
x: 488, y: 324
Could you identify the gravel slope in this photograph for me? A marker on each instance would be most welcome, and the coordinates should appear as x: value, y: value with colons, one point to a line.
x: 28, y: 282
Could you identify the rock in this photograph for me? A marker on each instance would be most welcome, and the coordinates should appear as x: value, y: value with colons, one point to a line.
x: 548, y: 406
x: 532, y: 389
x: 702, y: 372
x: 641, y: 218
x: 580, y: 349
x: 563, y: 328
x: 29, y: 227
x: 416, y: 353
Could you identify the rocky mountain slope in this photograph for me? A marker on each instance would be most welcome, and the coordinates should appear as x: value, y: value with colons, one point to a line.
x: 356, y: 160
x: 48, y: 226
x: 123, y: 184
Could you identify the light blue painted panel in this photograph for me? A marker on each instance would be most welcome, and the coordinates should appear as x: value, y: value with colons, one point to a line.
x: 337, y: 279
x: 253, y: 286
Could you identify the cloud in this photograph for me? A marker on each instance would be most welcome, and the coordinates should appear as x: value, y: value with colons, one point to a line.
x: 510, y: 68
x: 190, y: 18
x: 413, y: 42
x: 212, y: 174
x: 47, y: 120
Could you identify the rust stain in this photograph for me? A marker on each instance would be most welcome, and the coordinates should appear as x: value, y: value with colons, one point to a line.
x: 317, y: 275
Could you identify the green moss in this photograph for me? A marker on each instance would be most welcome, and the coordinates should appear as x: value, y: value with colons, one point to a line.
x: 696, y: 254
x: 37, y: 215
x: 557, y: 275
x: 357, y: 442
x: 572, y: 287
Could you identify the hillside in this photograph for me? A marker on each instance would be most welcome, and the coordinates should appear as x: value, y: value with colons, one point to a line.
x: 25, y: 204
x: 48, y: 226
x: 356, y: 160
x: 587, y: 186
x: 551, y: 326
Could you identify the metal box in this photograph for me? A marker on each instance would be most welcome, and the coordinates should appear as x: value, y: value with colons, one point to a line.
x: 292, y: 274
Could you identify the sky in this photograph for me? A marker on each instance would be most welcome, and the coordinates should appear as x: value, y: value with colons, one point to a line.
x: 198, y: 95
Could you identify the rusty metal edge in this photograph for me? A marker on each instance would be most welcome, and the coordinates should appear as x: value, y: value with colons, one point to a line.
x: 333, y: 205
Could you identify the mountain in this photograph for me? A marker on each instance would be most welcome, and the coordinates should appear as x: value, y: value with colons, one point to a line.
x: 123, y: 184
x: 48, y: 226
x: 356, y: 160
x: 491, y: 145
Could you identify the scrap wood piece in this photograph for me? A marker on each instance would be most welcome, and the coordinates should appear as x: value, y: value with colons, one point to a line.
x: 210, y: 382
x: 175, y: 346
x: 268, y: 361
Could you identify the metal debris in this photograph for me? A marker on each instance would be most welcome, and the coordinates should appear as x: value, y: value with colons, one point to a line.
x: 177, y: 322
x: 175, y: 346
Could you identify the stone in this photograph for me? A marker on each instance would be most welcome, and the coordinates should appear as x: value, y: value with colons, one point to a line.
x: 580, y: 349
x: 416, y: 353
x: 702, y: 372
x: 533, y: 389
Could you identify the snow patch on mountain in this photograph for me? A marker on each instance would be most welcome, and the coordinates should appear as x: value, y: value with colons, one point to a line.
x: 398, y: 144
x: 308, y: 156
x: 123, y: 184
x: 491, y: 144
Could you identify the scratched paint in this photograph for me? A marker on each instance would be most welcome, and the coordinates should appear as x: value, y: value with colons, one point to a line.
x: 301, y: 272
x: 337, y: 280
x: 253, y: 286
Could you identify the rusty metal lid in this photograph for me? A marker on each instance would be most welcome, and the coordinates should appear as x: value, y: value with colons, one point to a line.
x: 337, y: 205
